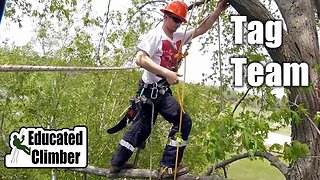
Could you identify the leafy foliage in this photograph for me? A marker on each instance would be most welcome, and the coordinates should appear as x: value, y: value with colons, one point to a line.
x: 295, y: 150
x: 65, y: 99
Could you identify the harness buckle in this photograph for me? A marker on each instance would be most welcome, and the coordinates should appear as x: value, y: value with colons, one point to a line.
x: 163, y: 90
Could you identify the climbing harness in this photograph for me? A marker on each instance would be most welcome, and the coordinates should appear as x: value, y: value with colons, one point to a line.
x: 130, y: 113
x: 148, y: 93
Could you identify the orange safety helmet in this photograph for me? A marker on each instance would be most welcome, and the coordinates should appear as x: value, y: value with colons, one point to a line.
x: 178, y: 8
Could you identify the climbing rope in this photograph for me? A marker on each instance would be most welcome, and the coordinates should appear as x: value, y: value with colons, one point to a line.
x: 150, y: 154
x: 183, y: 56
x: 220, y: 65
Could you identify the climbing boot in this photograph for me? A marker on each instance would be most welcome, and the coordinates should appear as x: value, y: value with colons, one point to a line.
x: 166, y: 172
x: 115, y: 169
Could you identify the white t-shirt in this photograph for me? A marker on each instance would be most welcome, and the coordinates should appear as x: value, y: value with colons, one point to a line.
x: 161, y: 49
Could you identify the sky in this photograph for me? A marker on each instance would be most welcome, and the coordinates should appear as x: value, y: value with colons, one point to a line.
x: 197, y: 63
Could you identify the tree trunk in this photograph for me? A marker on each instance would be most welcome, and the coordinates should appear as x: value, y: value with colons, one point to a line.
x: 300, y: 19
x: 300, y: 44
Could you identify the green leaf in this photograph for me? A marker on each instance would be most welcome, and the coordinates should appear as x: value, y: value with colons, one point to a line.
x: 275, y: 146
x: 317, y: 118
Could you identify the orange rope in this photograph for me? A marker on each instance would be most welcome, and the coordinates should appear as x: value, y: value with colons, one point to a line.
x: 181, y: 98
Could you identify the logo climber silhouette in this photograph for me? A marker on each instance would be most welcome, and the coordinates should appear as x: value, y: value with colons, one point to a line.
x: 17, y: 143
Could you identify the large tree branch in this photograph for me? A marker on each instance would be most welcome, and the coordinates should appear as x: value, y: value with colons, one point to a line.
x: 137, y: 173
x: 196, y: 4
x: 254, y: 10
x: 301, y: 27
x: 292, y: 48
x: 274, y: 161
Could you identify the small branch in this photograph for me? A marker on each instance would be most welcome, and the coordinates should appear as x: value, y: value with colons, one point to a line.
x: 274, y: 161
x: 262, y: 104
x: 4, y: 139
x: 103, y: 31
x: 3, y: 112
x: 239, y: 102
x: 149, y: 2
x: 196, y: 4
x: 137, y: 173
x: 312, y: 157
x: 308, y: 117
x: 140, y: 8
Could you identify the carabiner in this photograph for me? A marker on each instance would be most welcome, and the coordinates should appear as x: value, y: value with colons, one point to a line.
x: 154, y: 91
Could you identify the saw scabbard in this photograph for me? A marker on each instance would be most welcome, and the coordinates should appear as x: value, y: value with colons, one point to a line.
x: 126, y: 118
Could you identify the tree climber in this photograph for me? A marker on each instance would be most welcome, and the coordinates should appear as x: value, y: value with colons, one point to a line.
x: 156, y: 53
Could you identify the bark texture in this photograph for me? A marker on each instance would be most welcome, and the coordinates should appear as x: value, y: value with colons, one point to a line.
x: 138, y: 173
x: 300, y: 44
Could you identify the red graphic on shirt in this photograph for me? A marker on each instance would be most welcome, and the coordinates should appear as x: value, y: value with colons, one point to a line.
x: 168, y: 54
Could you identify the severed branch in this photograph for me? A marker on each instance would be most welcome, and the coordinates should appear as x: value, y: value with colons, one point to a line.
x: 274, y: 161
x: 138, y: 173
